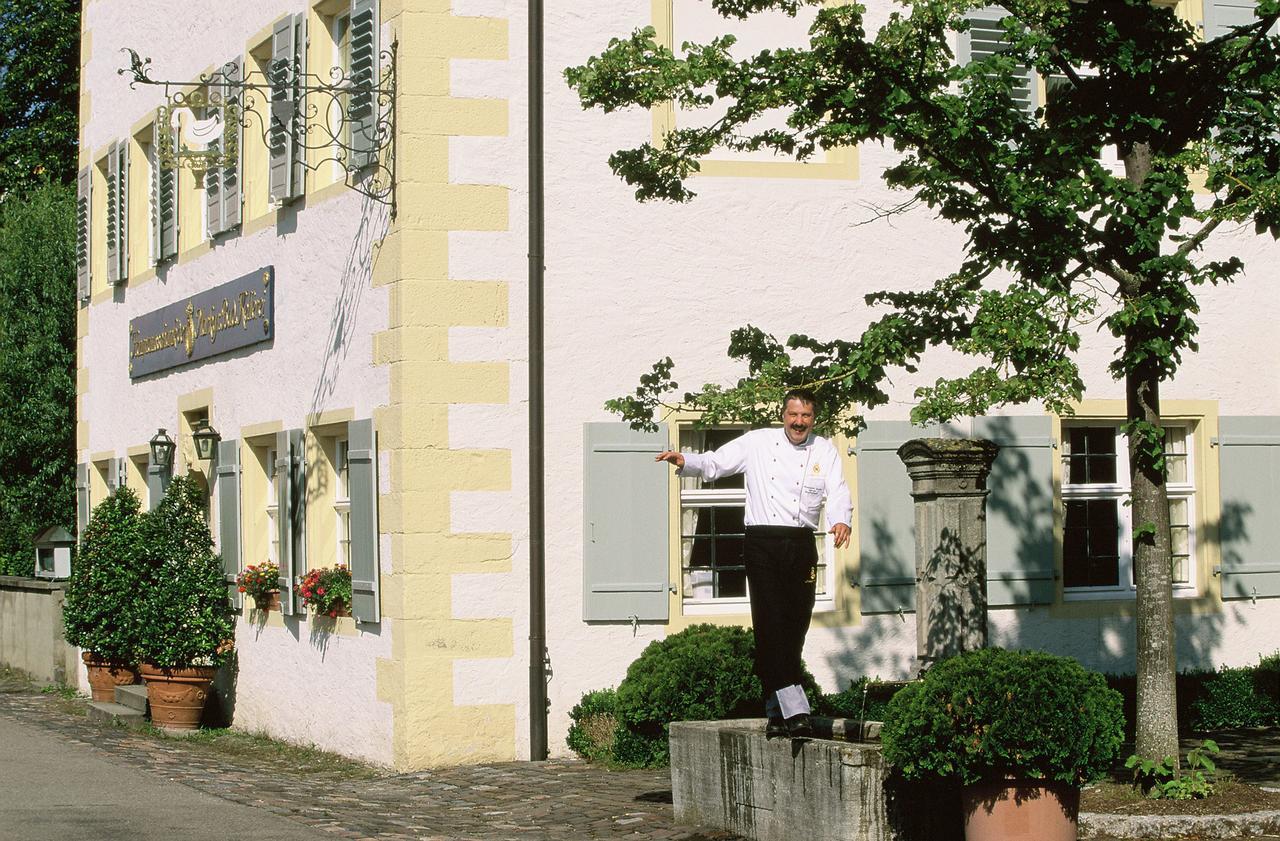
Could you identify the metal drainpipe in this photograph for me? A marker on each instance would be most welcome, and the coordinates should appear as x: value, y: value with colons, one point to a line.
x: 537, y: 460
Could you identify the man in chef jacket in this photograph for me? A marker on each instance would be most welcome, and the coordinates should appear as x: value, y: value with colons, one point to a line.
x: 789, y: 473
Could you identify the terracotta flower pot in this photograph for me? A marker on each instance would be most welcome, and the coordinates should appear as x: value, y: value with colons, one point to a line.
x: 177, y: 696
x: 269, y: 602
x: 1020, y: 810
x: 105, y: 676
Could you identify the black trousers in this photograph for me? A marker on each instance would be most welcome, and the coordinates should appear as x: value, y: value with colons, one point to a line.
x: 782, y: 565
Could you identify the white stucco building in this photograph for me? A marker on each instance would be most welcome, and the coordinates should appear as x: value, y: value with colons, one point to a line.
x: 381, y: 417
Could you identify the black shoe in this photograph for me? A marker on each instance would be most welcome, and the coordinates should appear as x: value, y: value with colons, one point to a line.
x: 776, y: 728
x: 799, y: 727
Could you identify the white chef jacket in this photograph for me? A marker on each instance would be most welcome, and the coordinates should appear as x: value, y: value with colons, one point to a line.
x: 786, y: 483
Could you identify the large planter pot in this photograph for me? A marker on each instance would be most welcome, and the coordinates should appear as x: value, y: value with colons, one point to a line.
x: 1020, y: 810
x: 177, y: 696
x: 105, y: 676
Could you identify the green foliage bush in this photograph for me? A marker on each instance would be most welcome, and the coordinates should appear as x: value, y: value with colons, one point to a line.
x: 994, y: 713
x: 37, y: 366
x: 702, y: 673
x: 595, y: 724
x: 1163, y: 780
x: 185, y: 613
x: 100, y: 613
x: 865, y: 699
x: 1231, y: 699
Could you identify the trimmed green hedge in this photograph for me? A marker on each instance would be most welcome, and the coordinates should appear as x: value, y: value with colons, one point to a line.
x: 703, y: 673
x: 992, y: 713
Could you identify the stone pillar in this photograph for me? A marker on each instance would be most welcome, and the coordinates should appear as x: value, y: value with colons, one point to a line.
x: 949, y: 485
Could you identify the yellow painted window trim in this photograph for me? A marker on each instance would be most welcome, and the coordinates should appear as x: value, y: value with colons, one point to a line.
x: 1202, y: 416
x: 834, y: 165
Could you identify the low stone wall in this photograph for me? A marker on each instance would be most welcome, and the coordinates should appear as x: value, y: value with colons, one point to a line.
x: 31, y: 630
x: 725, y: 774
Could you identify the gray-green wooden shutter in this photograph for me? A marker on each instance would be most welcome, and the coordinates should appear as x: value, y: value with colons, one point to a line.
x: 113, y: 214
x: 1249, y: 523
x: 222, y: 183
x: 82, y: 499
x: 122, y: 473
x: 986, y: 37
x: 231, y: 209
x: 122, y: 212
x: 164, y: 202
x: 288, y: 110
x: 362, y: 490
x: 213, y: 183
x: 157, y: 483
x: 626, y: 529
x: 84, y: 231
x: 113, y: 476
x: 229, y: 516
x: 1221, y: 16
x: 363, y: 109
x: 886, y: 518
x: 291, y: 506
x: 1020, y: 545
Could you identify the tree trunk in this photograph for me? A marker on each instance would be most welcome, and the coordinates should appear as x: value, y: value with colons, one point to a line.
x: 1156, y: 735
x: 1157, y: 724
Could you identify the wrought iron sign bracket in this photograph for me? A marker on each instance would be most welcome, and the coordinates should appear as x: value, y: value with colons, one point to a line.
x: 340, y: 121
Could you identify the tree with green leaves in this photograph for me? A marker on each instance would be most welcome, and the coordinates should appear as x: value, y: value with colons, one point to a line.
x: 1055, y: 238
x: 39, y: 92
x: 37, y: 369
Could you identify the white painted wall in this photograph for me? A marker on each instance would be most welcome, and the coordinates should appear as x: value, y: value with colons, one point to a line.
x: 629, y: 283
x: 295, y: 682
x: 626, y: 284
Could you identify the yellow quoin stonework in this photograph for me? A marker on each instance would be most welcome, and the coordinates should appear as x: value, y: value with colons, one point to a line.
x: 413, y: 261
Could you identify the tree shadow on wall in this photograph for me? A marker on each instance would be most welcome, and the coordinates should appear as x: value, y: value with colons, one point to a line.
x: 1019, y: 509
x: 357, y: 276
x: 958, y: 585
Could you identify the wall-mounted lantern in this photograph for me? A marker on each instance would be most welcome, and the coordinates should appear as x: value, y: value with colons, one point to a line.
x: 162, y: 448
x: 206, y: 439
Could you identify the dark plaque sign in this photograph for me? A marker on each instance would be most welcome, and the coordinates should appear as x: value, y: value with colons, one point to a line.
x: 228, y: 317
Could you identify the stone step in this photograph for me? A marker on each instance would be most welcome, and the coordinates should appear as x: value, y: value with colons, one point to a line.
x: 133, y: 697
x: 114, y: 713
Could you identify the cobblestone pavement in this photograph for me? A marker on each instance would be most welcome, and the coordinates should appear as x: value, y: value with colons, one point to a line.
x: 560, y: 799
x: 531, y: 801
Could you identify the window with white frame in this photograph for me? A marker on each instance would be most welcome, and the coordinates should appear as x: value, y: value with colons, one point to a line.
x: 273, y: 508
x: 342, y: 501
x: 712, y: 531
x: 1097, y: 533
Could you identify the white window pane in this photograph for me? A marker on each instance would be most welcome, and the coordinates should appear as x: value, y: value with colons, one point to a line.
x: 1181, y: 537
x: 1178, y: 512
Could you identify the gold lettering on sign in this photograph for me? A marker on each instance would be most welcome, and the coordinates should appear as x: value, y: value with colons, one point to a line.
x: 241, y: 310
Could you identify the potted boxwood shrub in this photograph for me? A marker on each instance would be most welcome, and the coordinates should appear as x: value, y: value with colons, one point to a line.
x: 99, y: 614
x: 187, y: 629
x: 1019, y: 730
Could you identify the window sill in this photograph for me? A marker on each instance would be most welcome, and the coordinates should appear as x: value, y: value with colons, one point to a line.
x: 1127, y: 594
x: 736, y: 607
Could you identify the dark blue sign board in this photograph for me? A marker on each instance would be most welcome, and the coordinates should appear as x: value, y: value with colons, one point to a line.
x: 219, y: 320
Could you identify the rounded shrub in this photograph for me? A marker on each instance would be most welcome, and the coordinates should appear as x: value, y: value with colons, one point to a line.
x: 185, y: 615
x: 595, y: 723
x: 1230, y: 699
x: 703, y: 673
x: 992, y: 714
x: 100, y: 613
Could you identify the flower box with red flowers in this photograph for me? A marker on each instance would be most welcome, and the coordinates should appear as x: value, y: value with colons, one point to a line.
x: 327, y: 590
x: 261, y: 582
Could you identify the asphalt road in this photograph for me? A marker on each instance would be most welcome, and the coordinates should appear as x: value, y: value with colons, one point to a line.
x: 51, y: 790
